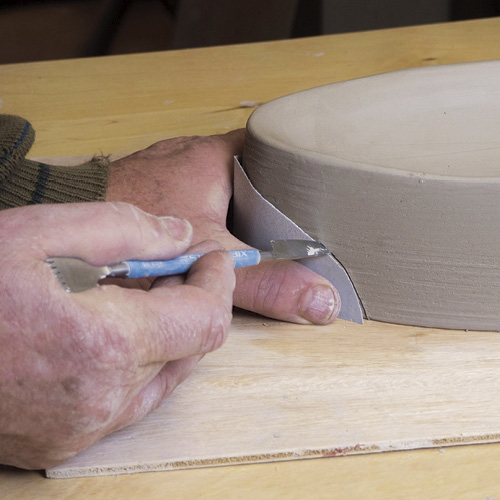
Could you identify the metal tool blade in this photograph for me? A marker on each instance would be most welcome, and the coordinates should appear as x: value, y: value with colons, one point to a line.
x: 76, y: 275
x: 257, y: 221
x: 297, y: 249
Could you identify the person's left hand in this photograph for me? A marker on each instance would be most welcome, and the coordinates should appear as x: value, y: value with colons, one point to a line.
x: 191, y: 177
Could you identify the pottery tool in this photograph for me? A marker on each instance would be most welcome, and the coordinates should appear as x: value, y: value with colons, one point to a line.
x: 256, y: 221
x: 76, y: 275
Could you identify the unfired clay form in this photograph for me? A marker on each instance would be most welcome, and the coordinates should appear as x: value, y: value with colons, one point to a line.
x: 399, y: 175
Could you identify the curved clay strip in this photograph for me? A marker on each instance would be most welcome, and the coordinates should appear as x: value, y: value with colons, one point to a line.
x: 257, y: 222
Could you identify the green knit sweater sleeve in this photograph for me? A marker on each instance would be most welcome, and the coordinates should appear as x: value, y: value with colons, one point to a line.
x: 28, y: 182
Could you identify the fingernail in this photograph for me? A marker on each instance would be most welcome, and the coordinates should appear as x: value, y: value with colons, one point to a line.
x: 320, y: 304
x: 179, y: 229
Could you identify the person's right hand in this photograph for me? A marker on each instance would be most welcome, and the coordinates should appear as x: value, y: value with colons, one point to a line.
x: 77, y: 366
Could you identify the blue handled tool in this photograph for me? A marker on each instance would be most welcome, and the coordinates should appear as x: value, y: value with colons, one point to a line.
x: 76, y: 275
x: 180, y: 265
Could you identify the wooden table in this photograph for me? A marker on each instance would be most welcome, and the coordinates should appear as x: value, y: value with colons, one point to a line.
x: 120, y: 104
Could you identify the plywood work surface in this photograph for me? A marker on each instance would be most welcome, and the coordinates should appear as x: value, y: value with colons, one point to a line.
x: 277, y: 391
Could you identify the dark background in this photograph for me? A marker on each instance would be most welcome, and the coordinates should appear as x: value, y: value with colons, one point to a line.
x: 34, y: 30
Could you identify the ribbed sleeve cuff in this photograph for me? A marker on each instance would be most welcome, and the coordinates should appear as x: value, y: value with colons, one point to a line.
x: 27, y: 182
x: 34, y: 183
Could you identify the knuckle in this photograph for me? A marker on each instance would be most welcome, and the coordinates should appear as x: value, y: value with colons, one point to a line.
x: 269, y: 290
x: 218, y: 327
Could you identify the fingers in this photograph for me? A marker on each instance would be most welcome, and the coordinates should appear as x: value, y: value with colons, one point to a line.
x: 176, y: 325
x: 179, y: 279
x: 165, y: 323
x: 200, y: 325
x: 102, y: 233
x: 109, y: 342
x: 172, y: 322
x: 287, y: 291
x: 283, y: 290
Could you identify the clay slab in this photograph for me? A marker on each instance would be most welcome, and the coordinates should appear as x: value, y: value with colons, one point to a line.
x: 399, y: 175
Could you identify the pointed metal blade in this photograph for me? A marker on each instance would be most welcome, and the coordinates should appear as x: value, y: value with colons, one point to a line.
x: 297, y: 249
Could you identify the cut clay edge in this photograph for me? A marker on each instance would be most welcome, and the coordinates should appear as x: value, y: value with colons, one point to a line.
x: 327, y: 266
x: 343, y: 162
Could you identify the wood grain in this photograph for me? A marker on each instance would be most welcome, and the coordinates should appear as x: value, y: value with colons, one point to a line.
x: 120, y: 104
x: 277, y: 391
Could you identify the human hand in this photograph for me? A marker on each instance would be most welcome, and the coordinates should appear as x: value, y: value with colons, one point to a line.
x: 75, y: 367
x: 192, y: 178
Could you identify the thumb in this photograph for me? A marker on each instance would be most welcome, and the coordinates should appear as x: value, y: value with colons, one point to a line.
x: 102, y: 233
